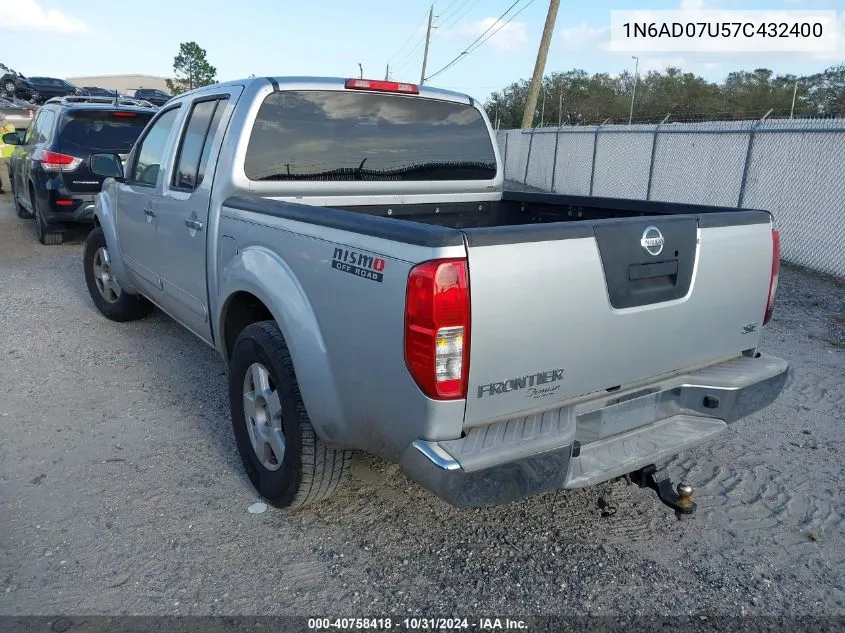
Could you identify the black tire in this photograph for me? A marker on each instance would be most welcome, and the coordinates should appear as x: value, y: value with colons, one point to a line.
x: 310, y: 471
x: 46, y: 235
x: 10, y: 88
x: 127, y: 307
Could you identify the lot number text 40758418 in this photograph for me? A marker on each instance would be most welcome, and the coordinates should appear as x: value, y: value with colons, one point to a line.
x: 416, y: 624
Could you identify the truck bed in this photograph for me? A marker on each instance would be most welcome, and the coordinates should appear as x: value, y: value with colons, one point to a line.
x: 515, y: 218
x: 558, y: 264
x: 520, y: 208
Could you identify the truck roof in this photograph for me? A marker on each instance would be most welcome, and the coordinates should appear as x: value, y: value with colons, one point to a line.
x: 293, y: 82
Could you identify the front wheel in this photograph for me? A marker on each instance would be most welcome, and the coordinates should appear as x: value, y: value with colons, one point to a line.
x: 10, y: 88
x: 283, y: 457
x: 105, y: 291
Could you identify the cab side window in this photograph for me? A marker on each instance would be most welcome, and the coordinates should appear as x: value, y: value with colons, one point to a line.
x: 196, y: 143
x: 151, y: 152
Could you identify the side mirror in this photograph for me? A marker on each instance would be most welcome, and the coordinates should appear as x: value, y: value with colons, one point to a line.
x: 107, y: 165
x: 11, y: 138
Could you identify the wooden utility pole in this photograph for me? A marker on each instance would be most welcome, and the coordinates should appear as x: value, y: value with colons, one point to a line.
x: 540, y: 66
x: 427, y: 38
x: 387, y: 72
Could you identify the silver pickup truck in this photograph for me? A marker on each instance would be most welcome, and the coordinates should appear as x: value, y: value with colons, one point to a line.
x: 349, y: 249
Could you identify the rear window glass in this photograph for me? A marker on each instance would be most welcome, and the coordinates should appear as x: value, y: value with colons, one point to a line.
x: 347, y: 135
x: 103, y: 130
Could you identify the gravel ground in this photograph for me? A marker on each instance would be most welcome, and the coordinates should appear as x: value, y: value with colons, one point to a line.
x: 121, y: 491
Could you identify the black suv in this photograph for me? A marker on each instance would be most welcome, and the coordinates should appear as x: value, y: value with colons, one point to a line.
x: 16, y: 86
x: 156, y: 97
x: 49, y: 87
x: 51, y: 176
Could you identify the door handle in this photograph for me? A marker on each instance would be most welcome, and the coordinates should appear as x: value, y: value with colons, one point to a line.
x: 193, y: 224
x: 149, y: 213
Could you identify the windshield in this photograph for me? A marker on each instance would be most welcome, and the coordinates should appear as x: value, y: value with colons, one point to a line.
x: 106, y: 130
x: 346, y: 135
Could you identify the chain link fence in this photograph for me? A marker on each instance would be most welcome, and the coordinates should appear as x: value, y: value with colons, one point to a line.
x: 793, y: 168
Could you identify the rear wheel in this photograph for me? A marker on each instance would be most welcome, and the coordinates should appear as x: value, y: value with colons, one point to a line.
x: 9, y: 87
x: 46, y: 234
x: 103, y: 287
x: 285, y: 460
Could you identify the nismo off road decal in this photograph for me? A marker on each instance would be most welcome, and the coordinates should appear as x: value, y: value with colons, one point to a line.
x: 359, y: 264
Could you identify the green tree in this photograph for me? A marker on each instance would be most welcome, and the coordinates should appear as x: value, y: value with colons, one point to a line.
x: 191, y: 68
x: 590, y: 99
x: 824, y: 93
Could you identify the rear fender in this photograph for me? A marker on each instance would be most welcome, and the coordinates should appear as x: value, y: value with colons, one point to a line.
x: 267, y: 276
x: 104, y: 212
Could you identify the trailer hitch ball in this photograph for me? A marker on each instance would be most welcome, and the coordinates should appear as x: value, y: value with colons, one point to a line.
x: 686, y: 506
x: 685, y: 491
x: 678, y: 498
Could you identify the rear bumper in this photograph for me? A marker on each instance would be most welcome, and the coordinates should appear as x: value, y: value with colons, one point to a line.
x: 596, y: 440
x: 81, y: 211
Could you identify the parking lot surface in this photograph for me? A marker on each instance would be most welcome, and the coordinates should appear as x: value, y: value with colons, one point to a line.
x: 121, y: 491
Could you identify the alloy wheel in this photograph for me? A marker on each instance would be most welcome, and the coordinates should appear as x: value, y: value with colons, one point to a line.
x: 104, y: 276
x: 263, y: 416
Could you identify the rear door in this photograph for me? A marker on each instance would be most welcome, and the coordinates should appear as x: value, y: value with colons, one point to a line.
x: 183, y: 209
x: 84, y: 132
x: 36, y: 135
x: 138, y: 199
x: 19, y: 162
x: 562, y: 310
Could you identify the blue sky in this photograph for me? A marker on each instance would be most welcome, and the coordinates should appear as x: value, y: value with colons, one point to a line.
x: 330, y: 37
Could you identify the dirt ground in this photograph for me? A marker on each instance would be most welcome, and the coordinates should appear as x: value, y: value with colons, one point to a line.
x: 121, y: 491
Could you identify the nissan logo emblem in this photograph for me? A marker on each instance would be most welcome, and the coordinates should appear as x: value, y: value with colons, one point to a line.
x: 652, y: 241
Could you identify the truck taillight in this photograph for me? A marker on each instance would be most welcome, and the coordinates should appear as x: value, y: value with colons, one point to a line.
x: 437, y: 319
x: 773, y: 283
x: 53, y: 161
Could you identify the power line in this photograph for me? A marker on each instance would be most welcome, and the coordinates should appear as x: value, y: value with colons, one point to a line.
x: 495, y: 22
x: 473, y: 46
x: 455, y: 3
x: 411, y: 55
x: 469, y: 49
x: 503, y: 25
x: 414, y: 32
x: 459, y: 17
x: 449, y: 6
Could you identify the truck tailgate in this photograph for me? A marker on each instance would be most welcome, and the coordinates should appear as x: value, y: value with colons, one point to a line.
x: 565, y: 309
